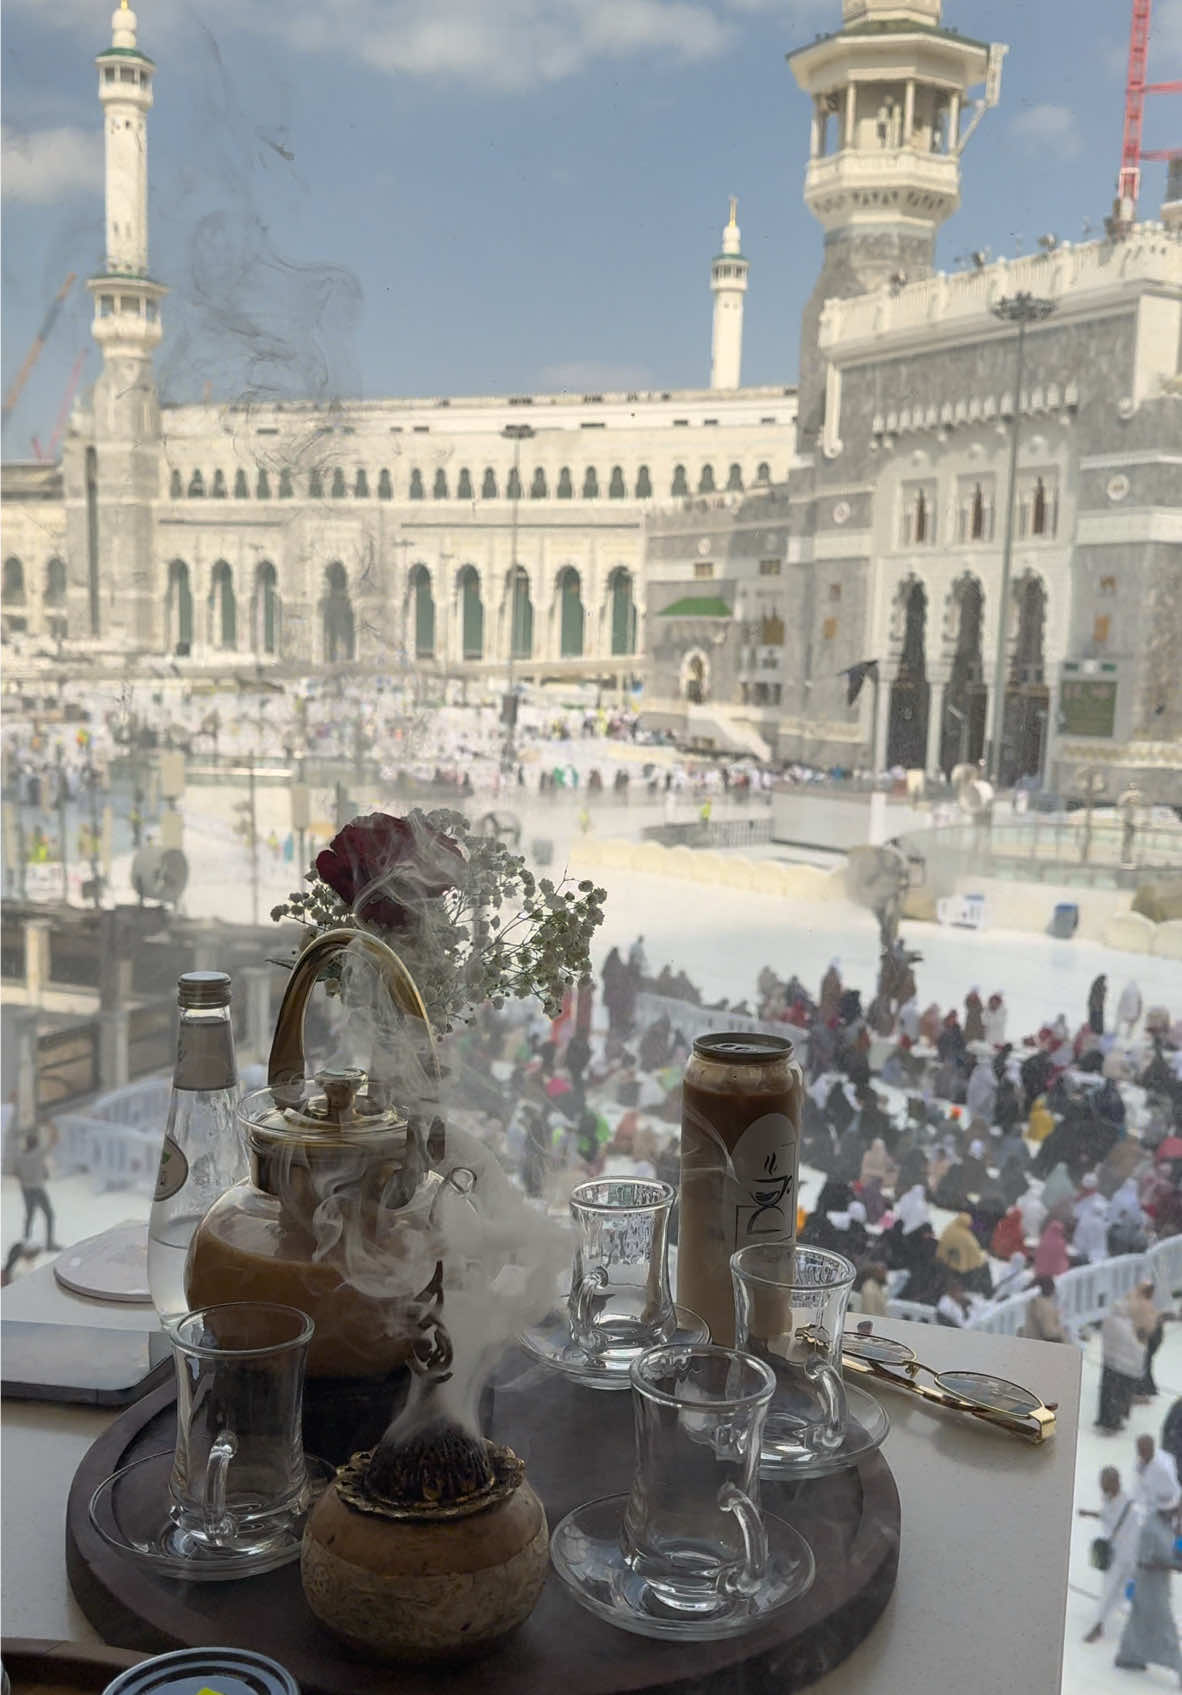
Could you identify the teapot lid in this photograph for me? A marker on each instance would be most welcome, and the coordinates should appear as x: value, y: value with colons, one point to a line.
x: 345, y: 1110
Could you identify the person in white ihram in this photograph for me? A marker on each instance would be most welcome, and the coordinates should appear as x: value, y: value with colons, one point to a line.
x: 1091, y: 1221
x: 1120, y: 1525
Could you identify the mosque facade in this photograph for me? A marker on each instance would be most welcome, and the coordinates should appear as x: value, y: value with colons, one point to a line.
x: 997, y: 526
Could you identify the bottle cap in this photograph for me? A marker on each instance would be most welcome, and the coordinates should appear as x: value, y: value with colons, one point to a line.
x: 742, y: 1047
x: 203, y: 989
x: 191, y: 1671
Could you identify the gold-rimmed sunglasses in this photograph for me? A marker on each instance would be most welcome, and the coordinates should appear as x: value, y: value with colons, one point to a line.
x: 994, y: 1400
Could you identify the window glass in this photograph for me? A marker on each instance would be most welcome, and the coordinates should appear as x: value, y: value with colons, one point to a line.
x: 832, y: 630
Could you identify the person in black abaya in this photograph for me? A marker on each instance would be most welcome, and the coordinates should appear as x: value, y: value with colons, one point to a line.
x: 1036, y: 1073
x: 1096, y: 997
x: 951, y: 1191
x: 838, y: 1110
x: 1012, y: 1181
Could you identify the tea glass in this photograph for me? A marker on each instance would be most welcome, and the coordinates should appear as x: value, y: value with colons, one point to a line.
x: 790, y: 1305
x: 620, y: 1300
x: 239, y: 1482
x: 692, y: 1529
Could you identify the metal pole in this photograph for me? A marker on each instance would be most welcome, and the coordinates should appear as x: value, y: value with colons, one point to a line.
x: 1022, y: 309
x: 61, y: 813
x: 254, y: 844
x: 517, y: 434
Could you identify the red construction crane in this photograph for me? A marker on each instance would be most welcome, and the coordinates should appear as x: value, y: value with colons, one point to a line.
x: 48, y: 454
x: 34, y: 353
x: 1128, y: 186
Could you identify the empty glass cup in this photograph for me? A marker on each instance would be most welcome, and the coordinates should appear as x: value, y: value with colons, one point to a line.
x: 790, y: 1305
x: 239, y: 1481
x: 620, y: 1302
x: 692, y: 1528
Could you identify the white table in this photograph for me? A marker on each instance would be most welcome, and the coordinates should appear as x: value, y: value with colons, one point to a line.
x: 982, y: 1588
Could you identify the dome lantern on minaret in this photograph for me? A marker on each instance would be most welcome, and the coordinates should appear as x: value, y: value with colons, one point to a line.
x: 728, y: 283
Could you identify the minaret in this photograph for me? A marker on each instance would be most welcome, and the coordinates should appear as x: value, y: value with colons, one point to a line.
x: 121, y: 474
x: 728, y: 282
x: 888, y: 92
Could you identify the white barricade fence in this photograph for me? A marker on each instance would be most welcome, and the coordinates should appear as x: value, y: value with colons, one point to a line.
x: 695, y: 1021
x: 916, y: 1311
x: 1084, y: 1294
x: 116, y: 1139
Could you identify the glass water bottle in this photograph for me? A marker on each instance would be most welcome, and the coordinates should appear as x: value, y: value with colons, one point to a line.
x: 202, y: 1155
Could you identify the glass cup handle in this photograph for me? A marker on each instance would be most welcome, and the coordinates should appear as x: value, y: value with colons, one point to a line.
x: 217, y: 1467
x: 745, y: 1579
x: 831, y: 1434
x: 586, y: 1332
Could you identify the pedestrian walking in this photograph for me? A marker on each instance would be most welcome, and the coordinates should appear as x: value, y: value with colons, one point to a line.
x: 1114, y: 1551
x: 31, y: 1167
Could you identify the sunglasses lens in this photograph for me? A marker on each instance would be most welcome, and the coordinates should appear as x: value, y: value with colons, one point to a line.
x: 881, y: 1348
x: 993, y: 1393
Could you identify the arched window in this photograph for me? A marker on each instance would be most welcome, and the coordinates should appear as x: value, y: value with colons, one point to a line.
x: 590, y: 483
x: 570, y: 614
x: 464, y: 485
x: 176, y: 485
x: 763, y: 472
x: 513, y: 484
x: 734, y: 479
x: 565, y: 487
x: 471, y: 614
x: 361, y: 484
x: 385, y: 486
x: 266, y: 608
x: 286, y: 491
x: 262, y: 487
x: 55, y: 582
x: 623, y: 611
x: 179, y: 609
x: 644, y: 484
x: 1038, y: 509
x: 315, y: 485
x: 694, y: 679
x: 416, y: 485
x: 706, y: 480
x: 439, y: 488
x: 615, y: 487
x: 241, y: 486
x: 196, y: 486
x: 223, y: 607
x: 339, y: 491
x: 680, y: 485
x: 218, y: 491
x: 488, y: 486
x: 537, y: 488
x: 424, y: 612
x: 14, y: 582
x: 521, y: 614
x: 337, y: 615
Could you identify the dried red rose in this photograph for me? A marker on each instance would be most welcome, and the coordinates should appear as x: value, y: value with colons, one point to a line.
x: 386, y: 867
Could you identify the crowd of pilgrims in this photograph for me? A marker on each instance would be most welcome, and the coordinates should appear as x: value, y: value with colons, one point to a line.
x: 1061, y: 1148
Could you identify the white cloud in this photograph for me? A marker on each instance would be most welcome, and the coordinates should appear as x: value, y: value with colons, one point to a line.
x: 594, y: 376
x: 46, y: 165
x: 502, y: 45
x: 1051, y: 127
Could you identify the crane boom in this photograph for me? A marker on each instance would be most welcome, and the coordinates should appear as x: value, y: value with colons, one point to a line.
x: 48, y: 454
x: 1128, y: 188
x: 31, y: 357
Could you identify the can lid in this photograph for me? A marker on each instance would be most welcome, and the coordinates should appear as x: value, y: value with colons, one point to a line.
x: 203, y: 989
x: 206, y: 1671
x: 741, y: 1047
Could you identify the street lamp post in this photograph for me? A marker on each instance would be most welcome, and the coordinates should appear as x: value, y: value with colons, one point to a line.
x: 516, y: 433
x: 1021, y: 309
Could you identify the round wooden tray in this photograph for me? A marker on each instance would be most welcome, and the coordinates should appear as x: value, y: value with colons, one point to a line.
x: 577, y: 1445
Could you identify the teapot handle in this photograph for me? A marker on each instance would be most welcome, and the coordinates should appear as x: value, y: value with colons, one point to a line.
x: 286, y: 1065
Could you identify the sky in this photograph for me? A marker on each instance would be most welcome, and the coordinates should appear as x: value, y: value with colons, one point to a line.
x: 419, y: 197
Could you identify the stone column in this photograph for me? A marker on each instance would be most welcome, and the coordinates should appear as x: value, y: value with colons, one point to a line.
x: 851, y: 109
x: 25, y: 1025
x: 114, y: 1031
x: 884, y: 718
x: 908, y: 111
x: 935, y: 723
x: 953, y: 121
x: 37, y: 958
x: 817, y: 134
x: 255, y: 983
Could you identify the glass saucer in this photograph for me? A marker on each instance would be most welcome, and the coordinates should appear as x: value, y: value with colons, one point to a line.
x: 867, y: 1428
x: 588, y: 1556
x: 131, y: 1510
x: 552, y: 1343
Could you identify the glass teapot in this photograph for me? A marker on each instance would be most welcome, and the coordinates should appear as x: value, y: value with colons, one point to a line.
x: 337, y: 1216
